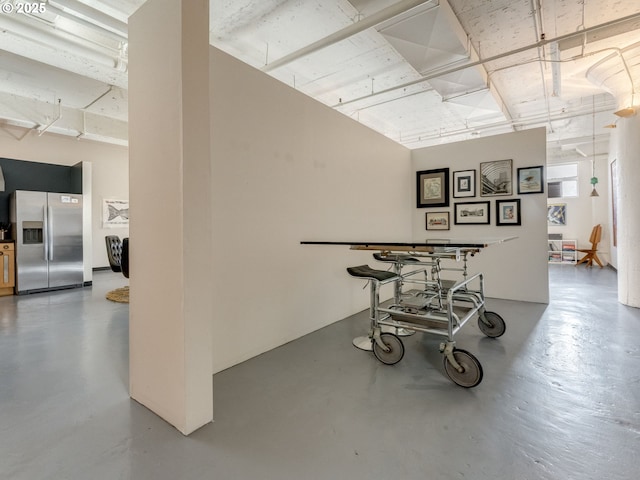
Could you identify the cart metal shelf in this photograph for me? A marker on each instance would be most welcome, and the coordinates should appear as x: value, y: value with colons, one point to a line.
x: 433, y: 305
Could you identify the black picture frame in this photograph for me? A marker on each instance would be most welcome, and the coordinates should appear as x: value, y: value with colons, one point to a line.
x: 432, y: 188
x: 464, y: 183
x: 496, y: 178
x: 508, y: 212
x: 472, y: 213
x: 530, y: 180
x: 437, y: 220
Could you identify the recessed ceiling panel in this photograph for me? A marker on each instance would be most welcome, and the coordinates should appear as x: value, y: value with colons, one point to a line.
x: 426, y: 40
x: 460, y: 82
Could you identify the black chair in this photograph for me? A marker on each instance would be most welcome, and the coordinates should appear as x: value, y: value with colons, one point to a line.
x: 124, y: 262
x: 114, y: 252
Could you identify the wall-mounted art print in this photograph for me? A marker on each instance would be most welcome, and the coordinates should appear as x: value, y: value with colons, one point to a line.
x: 557, y: 214
x: 508, y: 212
x: 115, y: 213
x: 472, y: 213
x: 437, y: 220
x: 530, y: 180
x: 496, y: 178
x: 464, y: 183
x: 433, y: 188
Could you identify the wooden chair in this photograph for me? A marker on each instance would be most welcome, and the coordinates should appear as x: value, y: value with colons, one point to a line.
x: 591, y: 254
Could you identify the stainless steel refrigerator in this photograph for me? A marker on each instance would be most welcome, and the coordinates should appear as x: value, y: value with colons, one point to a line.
x: 47, y: 229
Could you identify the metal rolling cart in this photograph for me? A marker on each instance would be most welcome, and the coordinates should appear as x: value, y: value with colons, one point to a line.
x: 425, y: 302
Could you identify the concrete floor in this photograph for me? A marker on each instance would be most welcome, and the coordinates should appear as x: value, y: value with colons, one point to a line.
x: 560, y: 398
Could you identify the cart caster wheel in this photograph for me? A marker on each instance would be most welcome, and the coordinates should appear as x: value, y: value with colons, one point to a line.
x: 395, y: 346
x: 471, y: 374
x: 492, y: 325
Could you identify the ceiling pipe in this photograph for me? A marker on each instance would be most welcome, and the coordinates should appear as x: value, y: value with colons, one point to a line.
x: 59, y: 29
x: 93, y: 15
x: 59, y: 52
x: 394, y: 99
x: 360, y: 26
x: 84, y: 124
x: 97, y: 99
x: 628, y: 109
x: 538, y: 28
x: 71, y: 16
x: 41, y: 131
x: 530, y: 121
x: 28, y: 131
x: 50, y: 38
x: 538, y: 44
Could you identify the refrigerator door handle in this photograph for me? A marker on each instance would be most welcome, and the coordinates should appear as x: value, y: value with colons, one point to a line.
x: 46, y: 232
x: 50, y: 232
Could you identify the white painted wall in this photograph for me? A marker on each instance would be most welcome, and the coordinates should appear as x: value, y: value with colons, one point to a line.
x: 518, y: 269
x: 110, y: 171
x: 286, y: 168
x: 170, y: 309
x: 110, y: 181
x: 625, y: 147
x: 613, y: 248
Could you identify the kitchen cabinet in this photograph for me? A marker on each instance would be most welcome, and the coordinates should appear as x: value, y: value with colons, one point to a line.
x: 7, y: 268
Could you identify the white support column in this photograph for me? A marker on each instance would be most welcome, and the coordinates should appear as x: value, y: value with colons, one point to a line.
x: 628, y: 166
x: 170, y: 204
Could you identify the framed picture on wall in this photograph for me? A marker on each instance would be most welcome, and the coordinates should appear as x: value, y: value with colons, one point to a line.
x: 496, y: 178
x: 464, y: 183
x: 437, y: 220
x: 433, y: 188
x: 508, y: 212
x: 472, y: 213
x: 115, y: 213
x: 530, y: 180
x: 557, y: 214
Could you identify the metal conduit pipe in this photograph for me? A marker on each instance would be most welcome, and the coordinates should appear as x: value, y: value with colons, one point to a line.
x: 521, y: 122
x: 50, y: 39
x: 619, y: 53
x: 98, y: 98
x: 41, y: 131
x: 61, y: 31
x: 538, y: 44
x: 540, y: 35
x: 360, y: 26
x: 93, y: 15
x: 382, y: 102
x: 450, y: 64
x: 116, y: 36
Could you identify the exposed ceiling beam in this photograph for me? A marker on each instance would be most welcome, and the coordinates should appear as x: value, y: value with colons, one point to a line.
x: 92, y: 15
x: 482, y: 61
x: 40, y: 116
x: 49, y: 48
x: 530, y: 121
x: 69, y: 15
x: 360, y: 26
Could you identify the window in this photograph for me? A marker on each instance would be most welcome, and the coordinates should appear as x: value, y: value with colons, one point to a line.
x: 562, y: 180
